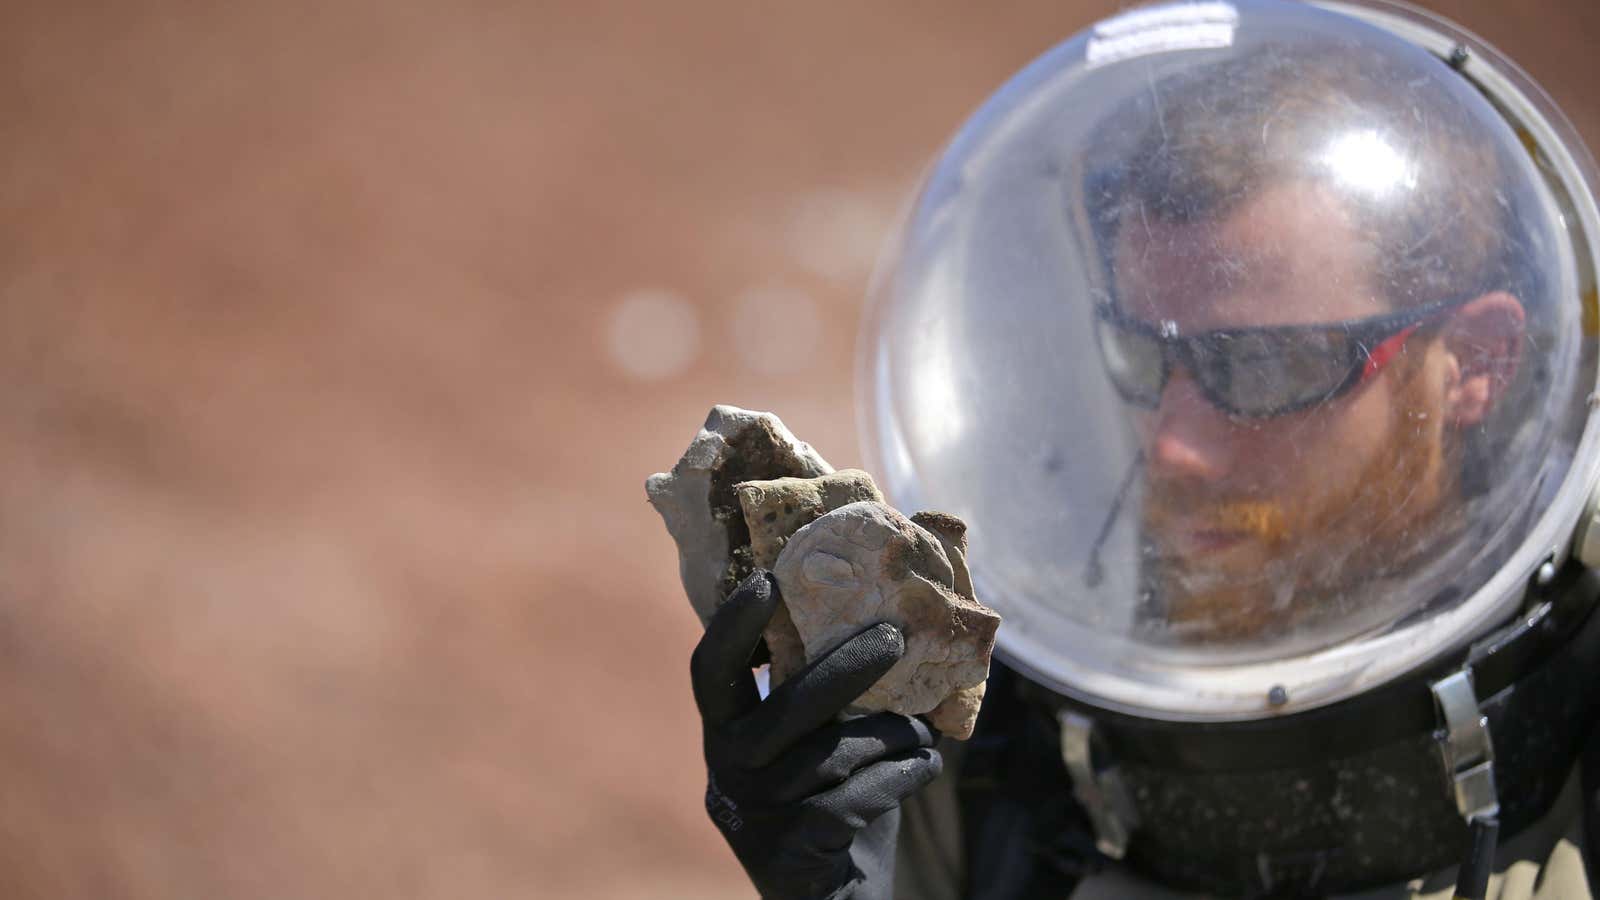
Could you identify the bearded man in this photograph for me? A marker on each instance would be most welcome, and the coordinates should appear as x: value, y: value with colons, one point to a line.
x: 1314, y: 343
x: 1254, y: 342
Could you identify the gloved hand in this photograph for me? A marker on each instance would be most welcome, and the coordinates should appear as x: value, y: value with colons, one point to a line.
x: 809, y: 804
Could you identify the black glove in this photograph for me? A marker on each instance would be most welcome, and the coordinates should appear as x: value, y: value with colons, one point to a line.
x: 809, y: 804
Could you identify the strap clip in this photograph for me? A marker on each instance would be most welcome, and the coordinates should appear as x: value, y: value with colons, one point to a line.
x: 1465, y: 746
x: 1102, y: 794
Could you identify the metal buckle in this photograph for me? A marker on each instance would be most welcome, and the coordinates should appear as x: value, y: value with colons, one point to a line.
x: 1103, y: 795
x: 1466, y: 747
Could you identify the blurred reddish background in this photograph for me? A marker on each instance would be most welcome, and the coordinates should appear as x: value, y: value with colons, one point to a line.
x: 336, y: 341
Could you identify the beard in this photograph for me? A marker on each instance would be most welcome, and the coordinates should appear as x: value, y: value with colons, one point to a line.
x: 1249, y: 565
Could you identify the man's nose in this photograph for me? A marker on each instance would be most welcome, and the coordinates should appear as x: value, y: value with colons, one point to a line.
x: 1189, y: 437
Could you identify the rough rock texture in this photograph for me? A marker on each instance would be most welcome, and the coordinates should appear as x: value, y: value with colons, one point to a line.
x: 957, y: 713
x: 866, y: 563
x: 776, y: 509
x: 748, y: 494
x: 697, y: 501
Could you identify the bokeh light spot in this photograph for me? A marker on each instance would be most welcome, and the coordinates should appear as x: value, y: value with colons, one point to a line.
x: 653, y: 334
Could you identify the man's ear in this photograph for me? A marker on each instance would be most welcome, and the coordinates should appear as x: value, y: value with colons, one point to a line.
x: 1484, y: 339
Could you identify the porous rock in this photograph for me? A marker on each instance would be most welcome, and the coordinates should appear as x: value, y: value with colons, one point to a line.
x: 865, y: 563
x: 698, y: 503
x: 776, y: 509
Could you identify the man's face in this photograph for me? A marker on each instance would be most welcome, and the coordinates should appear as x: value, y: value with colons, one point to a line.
x: 1254, y: 524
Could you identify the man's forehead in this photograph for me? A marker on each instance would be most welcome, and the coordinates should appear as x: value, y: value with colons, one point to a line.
x: 1288, y: 254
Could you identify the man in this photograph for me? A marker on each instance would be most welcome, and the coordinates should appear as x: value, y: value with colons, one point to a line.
x: 1291, y: 367
x: 1308, y: 272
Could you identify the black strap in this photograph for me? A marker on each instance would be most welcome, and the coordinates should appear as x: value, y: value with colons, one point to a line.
x: 1590, y: 775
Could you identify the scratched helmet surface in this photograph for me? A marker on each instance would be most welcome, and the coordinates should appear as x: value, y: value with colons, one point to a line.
x: 1250, y: 340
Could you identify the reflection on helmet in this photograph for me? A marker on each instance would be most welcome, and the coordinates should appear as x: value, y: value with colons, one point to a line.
x: 1242, y: 335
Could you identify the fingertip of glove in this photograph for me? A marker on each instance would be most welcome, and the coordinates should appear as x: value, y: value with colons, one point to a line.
x: 759, y: 583
x: 920, y: 767
x: 893, y: 638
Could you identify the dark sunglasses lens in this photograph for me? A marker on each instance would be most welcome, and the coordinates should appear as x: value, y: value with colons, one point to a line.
x: 1267, y: 373
x: 1133, y: 360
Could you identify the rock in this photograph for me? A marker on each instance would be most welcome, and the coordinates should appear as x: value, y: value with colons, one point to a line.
x: 952, y: 535
x: 748, y: 494
x: 697, y: 500
x: 866, y: 563
x: 956, y: 714
x: 776, y: 509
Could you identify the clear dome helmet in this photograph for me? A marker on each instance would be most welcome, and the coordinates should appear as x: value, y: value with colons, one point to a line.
x: 1254, y: 341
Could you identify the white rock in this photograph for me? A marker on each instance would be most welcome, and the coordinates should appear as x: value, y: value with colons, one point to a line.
x: 865, y: 563
x: 701, y: 510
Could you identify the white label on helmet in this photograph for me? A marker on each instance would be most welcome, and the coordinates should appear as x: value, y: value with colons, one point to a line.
x: 1179, y: 26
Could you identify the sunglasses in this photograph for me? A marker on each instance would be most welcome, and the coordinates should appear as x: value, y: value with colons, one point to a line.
x: 1254, y: 373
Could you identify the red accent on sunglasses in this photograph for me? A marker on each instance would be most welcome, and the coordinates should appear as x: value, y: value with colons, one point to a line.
x: 1380, y: 355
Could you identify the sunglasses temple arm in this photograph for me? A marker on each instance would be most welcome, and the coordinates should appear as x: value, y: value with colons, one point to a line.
x: 1093, y: 571
x: 1386, y: 350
